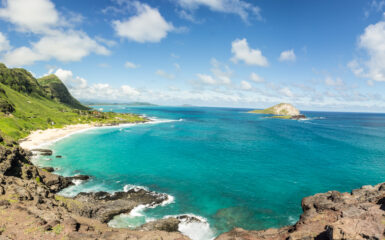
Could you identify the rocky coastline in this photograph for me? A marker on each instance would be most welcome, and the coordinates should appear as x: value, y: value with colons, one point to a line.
x: 31, y: 209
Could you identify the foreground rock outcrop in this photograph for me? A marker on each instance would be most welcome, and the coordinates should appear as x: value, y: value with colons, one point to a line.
x: 31, y: 209
x: 333, y: 216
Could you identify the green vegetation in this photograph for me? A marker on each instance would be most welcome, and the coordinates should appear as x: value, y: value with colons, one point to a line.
x: 57, y: 229
x: 57, y: 91
x: 25, y: 105
x: 281, y: 111
x: 272, y: 110
x: 37, y: 179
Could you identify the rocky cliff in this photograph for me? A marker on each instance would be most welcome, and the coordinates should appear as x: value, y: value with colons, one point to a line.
x: 333, y: 215
x: 31, y: 209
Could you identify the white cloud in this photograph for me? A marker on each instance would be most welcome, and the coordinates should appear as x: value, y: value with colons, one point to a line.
x: 239, y: 7
x: 221, y: 74
x: 69, y: 80
x: 256, y: 78
x: 164, y: 74
x: 4, y: 43
x: 147, y: 26
x: 56, y: 38
x: 80, y: 88
x: 288, y: 56
x: 62, y: 46
x: 373, y: 42
x: 245, y: 85
x: 207, y: 79
x: 30, y: 15
x: 131, y: 65
x: 286, y: 91
x: 242, y: 52
x: 338, y: 82
x: 130, y: 91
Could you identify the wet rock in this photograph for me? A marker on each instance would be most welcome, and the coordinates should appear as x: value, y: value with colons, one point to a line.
x: 79, y: 177
x: 332, y: 215
x: 169, y: 225
x: 43, y: 152
x: 48, y: 169
x: 298, y: 117
x: 104, y: 206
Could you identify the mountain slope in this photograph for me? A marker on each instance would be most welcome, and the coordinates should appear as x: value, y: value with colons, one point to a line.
x: 25, y: 105
x: 56, y: 90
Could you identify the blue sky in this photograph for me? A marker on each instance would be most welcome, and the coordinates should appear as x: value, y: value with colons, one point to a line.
x: 318, y: 55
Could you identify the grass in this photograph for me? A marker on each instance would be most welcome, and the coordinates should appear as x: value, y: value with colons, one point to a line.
x: 28, y: 104
x: 35, y: 112
x: 57, y: 229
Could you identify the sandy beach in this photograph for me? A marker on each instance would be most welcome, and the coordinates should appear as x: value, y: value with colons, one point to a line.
x: 42, y: 137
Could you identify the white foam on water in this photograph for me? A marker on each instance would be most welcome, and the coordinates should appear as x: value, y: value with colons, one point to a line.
x: 136, y: 188
x: 196, y: 230
x: 77, y: 182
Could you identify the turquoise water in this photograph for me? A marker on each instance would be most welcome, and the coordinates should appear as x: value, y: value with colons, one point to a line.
x: 233, y: 168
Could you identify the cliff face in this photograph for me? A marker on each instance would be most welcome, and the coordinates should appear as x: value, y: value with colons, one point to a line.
x: 332, y: 216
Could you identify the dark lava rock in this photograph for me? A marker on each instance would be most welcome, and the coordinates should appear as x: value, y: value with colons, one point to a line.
x: 298, y: 117
x: 48, y: 169
x: 104, y: 206
x: 80, y: 177
x: 168, y: 224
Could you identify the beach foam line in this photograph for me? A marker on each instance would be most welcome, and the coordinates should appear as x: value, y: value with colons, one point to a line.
x: 83, y: 128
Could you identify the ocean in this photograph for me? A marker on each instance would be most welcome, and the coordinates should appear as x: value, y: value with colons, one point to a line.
x: 227, y: 166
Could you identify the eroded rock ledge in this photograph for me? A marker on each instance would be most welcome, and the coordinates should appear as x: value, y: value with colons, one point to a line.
x: 332, y: 215
x: 30, y: 208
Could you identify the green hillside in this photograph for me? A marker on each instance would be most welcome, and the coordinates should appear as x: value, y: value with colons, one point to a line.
x: 26, y: 106
x: 56, y: 90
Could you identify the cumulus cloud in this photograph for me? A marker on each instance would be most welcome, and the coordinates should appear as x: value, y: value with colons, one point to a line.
x: 56, y: 38
x: 241, y: 8
x: 338, y: 82
x: 131, y: 65
x: 4, y: 43
x: 287, y: 56
x: 372, y: 41
x: 245, y: 85
x: 256, y: 78
x: 69, y: 80
x: 221, y: 74
x: 164, y: 74
x: 148, y: 25
x: 30, y: 15
x: 242, y: 52
x: 81, y: 89
x: 62, y: 46
x: 286, y: 91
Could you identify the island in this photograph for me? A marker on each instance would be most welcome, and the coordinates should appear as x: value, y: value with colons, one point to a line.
x: 282, y: 111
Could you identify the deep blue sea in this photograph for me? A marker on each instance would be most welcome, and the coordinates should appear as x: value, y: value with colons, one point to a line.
x: 230, y: 167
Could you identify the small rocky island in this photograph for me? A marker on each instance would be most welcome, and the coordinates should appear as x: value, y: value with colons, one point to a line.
x: 282, y: 111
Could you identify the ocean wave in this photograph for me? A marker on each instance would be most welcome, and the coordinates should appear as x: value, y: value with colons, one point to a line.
x: 193, y: 226
x: 136, y: 188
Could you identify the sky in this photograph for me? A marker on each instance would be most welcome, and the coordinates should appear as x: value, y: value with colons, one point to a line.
x: 318, y: 55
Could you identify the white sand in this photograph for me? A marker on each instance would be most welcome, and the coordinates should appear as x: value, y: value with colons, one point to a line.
x: 42, y: 137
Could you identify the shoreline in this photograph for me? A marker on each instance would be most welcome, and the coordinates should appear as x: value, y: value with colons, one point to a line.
x: 187, y: 222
